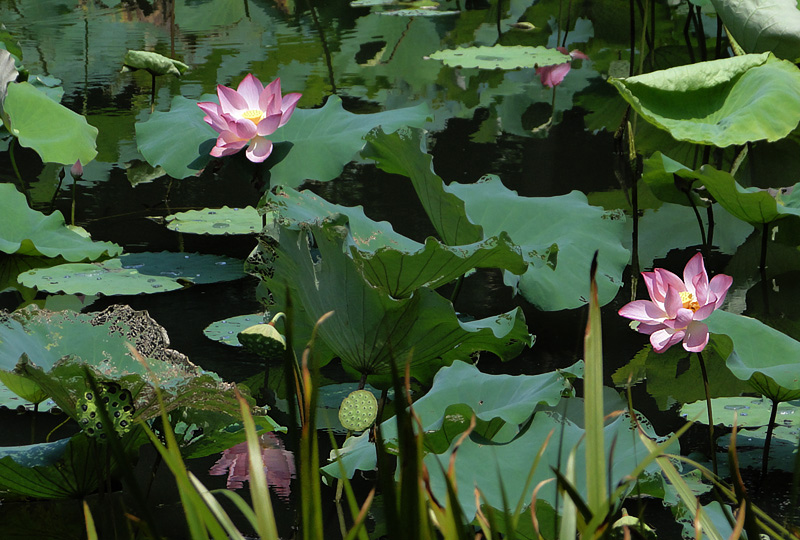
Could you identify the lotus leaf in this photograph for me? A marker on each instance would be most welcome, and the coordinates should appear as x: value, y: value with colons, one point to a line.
x: 763, y: 25
x: 28, y: 232
x: 226, y: 330
x: 216, y: 221
x: 768, y: 359
x: 750, y: 447
x: 391, y: 261
x: 135, y: 273
x: 33, y: 116
x: 369, y: 327
x: 719, y: 102
x: 746, y: 411
x: 60, y: 469
x: 153, y: 63
x: 501, y: 57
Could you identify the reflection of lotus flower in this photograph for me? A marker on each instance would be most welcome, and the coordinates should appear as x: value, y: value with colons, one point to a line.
x: 278, y: 465
x: 246, y: 115
x: 676, y: 307
x: 553, y: 75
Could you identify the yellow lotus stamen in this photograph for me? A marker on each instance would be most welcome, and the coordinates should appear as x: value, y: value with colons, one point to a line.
x: 689, y: 301
x: 254, y: 115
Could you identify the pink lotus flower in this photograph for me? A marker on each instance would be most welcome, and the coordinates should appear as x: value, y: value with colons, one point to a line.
x: 676, y: 307
x: 247, y: 115
x: 278, y: 465
x: 553, y: 75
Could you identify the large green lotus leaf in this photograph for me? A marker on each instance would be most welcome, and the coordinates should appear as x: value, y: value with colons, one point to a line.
x: 178, y: 140
x: 56, y: 133
x: 501, y: 57
x: 675, y: 374
x: 750, y: 446
x: 769, y: 359
x: 746, y: 411
x: 28, y: 232
x: 403, y: 152
x: 135, y: 273
x: 509, y: 463
x: 720, y: 102
x: 61, y: 469
x: 152, y: 62
x: 391, y: 261
x: 325, y: 140
x: 369, y: 328
x: 538, y: 223
x: 763, y: 25
x: 216, y: 221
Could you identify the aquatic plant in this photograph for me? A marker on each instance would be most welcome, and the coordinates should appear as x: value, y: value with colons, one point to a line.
x: 246, y: 115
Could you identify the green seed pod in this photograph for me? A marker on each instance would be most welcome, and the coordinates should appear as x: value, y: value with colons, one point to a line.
x: 263, y: 339
x: 358, y: 410
x: 118, y: 403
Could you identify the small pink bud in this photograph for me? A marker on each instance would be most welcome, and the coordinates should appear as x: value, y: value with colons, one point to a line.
x: 76, y: 170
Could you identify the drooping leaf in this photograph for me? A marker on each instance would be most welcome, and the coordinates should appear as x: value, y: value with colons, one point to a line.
x: 28, y: 232
x: 56, y: 133
x: 369, y: 327
x: 768, y: 359
x: 135, y: 273
x: 763, y: 25
x: 720, y: 102
x: 391, y: 261
x: 501, y: 57
x: 154, y: 63
x: 178, y: 140
x: 216, y: 221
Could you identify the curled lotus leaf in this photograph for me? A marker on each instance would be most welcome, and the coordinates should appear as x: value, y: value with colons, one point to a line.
x: 154, y: 63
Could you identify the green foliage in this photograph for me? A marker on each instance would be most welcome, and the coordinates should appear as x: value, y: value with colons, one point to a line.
x: 719, y: 102
x: 56, y: 133
x: 763, y: 25
x: 153, y: 63
x: 216, y: 221
x: 264, y: 340
x: 28, y: 232
x: 501, y: 57
x: 135, y: 273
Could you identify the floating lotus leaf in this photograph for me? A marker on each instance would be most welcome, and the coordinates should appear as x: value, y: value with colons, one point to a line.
x: 763, y: 25
x: 179, y: 140
x: 391, y: 261
x: 56, y: 133
x: 720, y: 102
x: 501, y: 57
x: 216, y: 221
x: 369, y: 327
x: 421, y: 12
x: 227, y: 330
x: 28, y: 232
x: 153, y: 63
x: 750, y: 446
x: 135, y: 273
x: 358, y: 410
x: 768, y: 359
x: 747, y: 411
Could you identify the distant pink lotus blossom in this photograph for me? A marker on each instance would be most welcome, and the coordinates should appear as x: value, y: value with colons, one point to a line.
x: 278, y: 465
x: 553, y: 75
x: 676, y: 306
x: 246, y: 115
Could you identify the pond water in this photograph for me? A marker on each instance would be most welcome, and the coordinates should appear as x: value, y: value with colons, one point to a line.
x: 541, y: 142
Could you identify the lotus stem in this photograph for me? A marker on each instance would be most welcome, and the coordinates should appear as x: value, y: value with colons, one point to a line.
x: 699, y: 223
x: 74, y: 195
x: 325, y: 51
x: 770, y: 427
x: 701, y: 34
x: 20, y: 182
x: 457, y: 289
x: 153, y: 93
x: 710, y: 233
x: 711, y: 445
x: 686, y: 35
x: 499, y: 18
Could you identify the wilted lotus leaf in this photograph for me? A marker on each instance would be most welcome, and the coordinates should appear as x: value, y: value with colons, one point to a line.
x: 154, y: 63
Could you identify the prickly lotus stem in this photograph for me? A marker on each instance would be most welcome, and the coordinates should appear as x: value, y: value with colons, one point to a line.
x: 358, y: 410
x: 263, y: 339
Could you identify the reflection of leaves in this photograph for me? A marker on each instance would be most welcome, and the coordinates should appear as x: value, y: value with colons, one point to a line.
x: 501, y: 57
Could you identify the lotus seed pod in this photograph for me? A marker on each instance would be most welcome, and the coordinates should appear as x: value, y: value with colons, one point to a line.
x: 118, y: 403
x: 263, y: 339
x: 358, y: 410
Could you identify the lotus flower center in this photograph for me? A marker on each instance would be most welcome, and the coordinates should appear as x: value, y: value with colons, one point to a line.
x: 254, y: 115
x: 689, y: 301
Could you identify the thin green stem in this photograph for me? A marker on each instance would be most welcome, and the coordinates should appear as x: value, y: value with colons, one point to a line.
x: 770, y: 427
x: 74, y: 196
x: 711, y: 445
